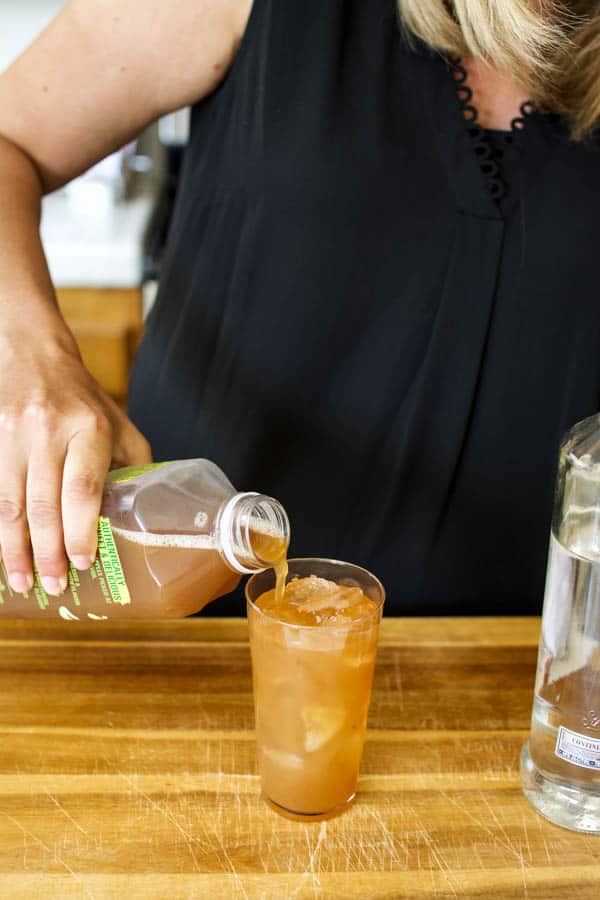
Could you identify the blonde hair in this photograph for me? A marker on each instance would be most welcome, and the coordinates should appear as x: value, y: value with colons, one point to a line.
x: 550, y: 48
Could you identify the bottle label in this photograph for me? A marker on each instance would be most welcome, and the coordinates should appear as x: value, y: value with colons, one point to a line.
x: 106, y: 575
x: 111, y: 563
x: 578, y: 749
x: 119, y: 476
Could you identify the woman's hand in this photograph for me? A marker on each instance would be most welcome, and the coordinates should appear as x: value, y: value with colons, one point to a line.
x: 87, y: 86
x: 59, y: 435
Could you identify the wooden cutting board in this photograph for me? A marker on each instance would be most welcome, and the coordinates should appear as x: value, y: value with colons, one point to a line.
x: 128, y: 770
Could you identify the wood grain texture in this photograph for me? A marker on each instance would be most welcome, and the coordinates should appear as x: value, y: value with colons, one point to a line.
x: 128, y: 769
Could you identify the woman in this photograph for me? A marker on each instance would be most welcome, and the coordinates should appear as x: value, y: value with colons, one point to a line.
x: 380, y: 297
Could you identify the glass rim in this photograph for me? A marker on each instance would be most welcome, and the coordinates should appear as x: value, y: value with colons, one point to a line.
x: 329, y: 625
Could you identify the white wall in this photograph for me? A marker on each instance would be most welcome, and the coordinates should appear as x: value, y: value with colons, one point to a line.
x: 20, y: 22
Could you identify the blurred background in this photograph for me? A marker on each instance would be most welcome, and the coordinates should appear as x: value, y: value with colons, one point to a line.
x: 104, y: 233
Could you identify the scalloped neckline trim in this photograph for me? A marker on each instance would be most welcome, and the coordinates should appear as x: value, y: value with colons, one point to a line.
x: 481, y: 138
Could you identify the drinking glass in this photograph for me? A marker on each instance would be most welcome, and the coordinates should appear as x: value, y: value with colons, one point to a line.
x: 312, y: 687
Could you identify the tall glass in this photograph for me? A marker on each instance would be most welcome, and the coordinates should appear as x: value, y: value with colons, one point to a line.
x: 312, y: 687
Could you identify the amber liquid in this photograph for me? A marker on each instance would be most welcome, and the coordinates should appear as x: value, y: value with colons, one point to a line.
x: 273, y: 551
x: 167, y: 576
x: 313, y: 655
x: 281, y: 572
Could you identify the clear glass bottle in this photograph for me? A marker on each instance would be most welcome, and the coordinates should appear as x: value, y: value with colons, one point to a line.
x: 560, y: 763
x: 171, y: 538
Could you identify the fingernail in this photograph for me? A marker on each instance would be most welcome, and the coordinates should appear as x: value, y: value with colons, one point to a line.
x: 20, y: 583
x: 82, y: 563
x: 54, y: 586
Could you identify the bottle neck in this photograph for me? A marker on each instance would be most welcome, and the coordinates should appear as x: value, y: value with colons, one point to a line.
x: 253, y: 532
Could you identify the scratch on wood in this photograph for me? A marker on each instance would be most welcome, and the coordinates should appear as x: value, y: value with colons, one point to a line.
x: 482, y: 825
x: 231, y: 864
x: 389, y: 839
x: 436, y: 855
x: 310, y: 870
x: 495, y: 819
x: 315, y: 853
x: 188, y: 838
x: 524, y: 876
x: 66, y: 813
x: 523, y: 866
x: 525, y: 829
x: 57, y: 857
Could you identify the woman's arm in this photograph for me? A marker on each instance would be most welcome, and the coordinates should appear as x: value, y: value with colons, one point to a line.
x: 100, y: 72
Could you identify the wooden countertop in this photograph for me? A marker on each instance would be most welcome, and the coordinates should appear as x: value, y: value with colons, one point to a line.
x: 128, y: 770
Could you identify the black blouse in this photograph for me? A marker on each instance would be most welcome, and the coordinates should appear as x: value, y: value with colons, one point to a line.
x: 377, y: 312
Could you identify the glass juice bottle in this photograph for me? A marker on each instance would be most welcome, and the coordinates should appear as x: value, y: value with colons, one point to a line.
x: 560, y: 763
